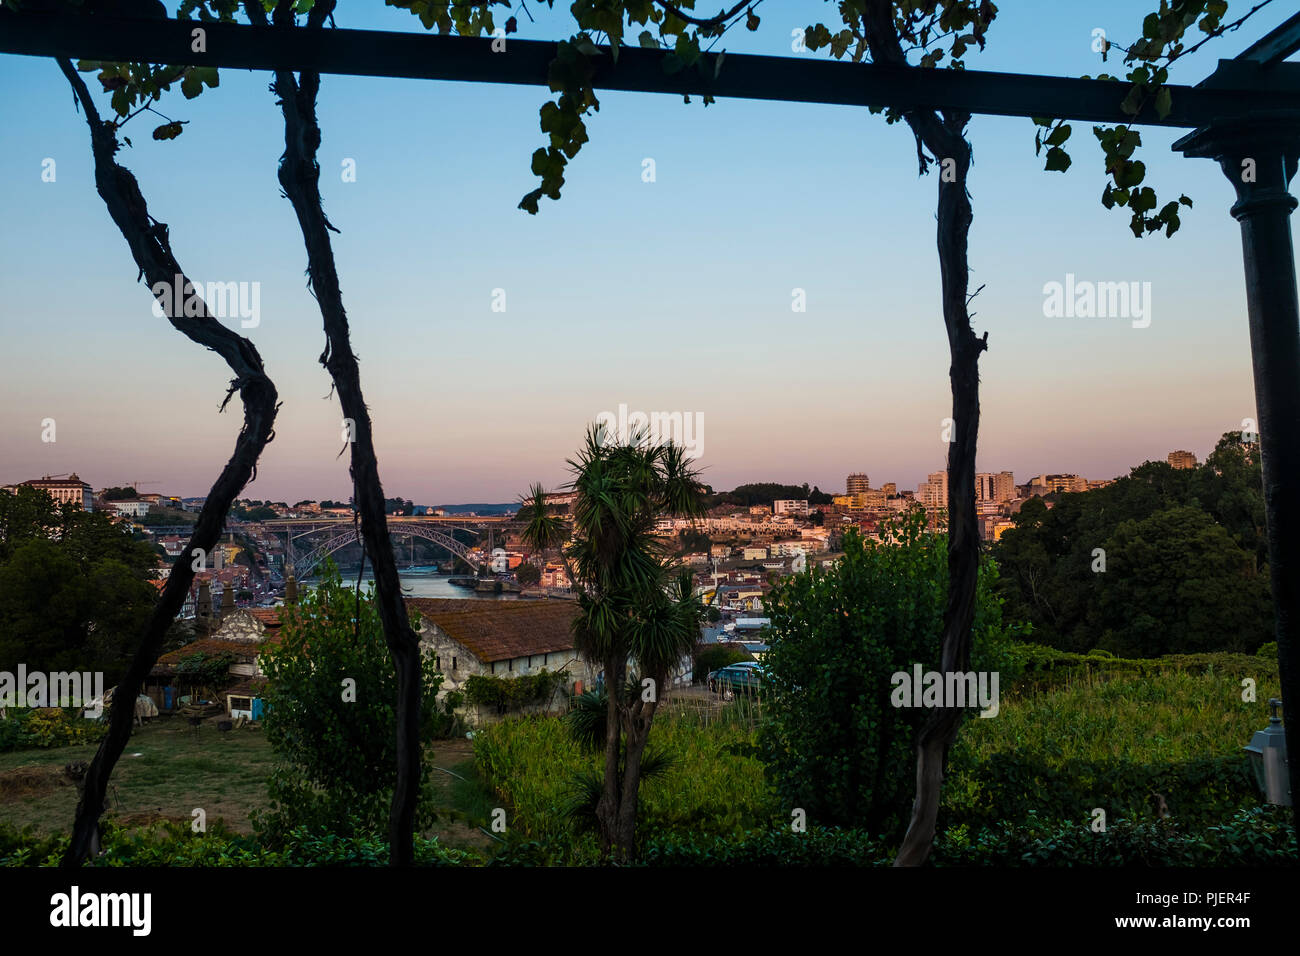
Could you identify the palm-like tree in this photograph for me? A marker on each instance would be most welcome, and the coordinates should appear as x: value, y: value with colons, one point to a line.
x: 637, y: 608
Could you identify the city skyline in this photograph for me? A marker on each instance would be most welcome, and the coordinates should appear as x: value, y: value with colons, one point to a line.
x: 473, y: 404
x: 159, y: 486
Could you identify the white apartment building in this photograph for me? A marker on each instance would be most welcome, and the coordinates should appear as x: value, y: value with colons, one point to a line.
x: 933, y: 494
x: 63, y: 490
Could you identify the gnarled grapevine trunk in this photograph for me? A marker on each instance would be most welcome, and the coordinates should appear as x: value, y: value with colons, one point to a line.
x: 299, y: 175
x: 149, y: 245
x: 942, y: 134
x: 940, y: 729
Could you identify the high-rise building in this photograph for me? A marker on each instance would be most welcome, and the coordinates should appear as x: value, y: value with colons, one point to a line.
x: 995, y: 486
x: 1004, y: 486
x: 1182, y: 459
x: 889, y: 488
x: 856, y: 484
x: 933, y: 494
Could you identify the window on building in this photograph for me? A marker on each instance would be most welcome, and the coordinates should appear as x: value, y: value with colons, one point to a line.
x: 453, y: 663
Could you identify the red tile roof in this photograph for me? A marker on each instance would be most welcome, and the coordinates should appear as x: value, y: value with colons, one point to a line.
x: 251, y: 687
x: 269, y: 617
x: 242, y: 651
x: 502, y: 630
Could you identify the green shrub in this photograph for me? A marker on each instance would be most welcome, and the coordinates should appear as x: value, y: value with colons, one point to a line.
x: 833, y: 741
x: 819, y: 846
x: 448, y: 723
x: 1041, y: 665
x: 1263, y: 836
x: 712, y: 785
x: 206, y: 670
x: 509, y: 693
x: 1077, y: 734
x: 329, y: 718
x: 46, y: 727
x: 173, y: 844
x: 1010, y: 786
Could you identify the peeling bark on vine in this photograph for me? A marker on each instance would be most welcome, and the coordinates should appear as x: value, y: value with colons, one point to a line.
x: 299, y: 175
x: 943, y: 135
x: 152, y: 253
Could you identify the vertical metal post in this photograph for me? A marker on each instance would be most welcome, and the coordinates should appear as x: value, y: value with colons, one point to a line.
x: 1259, y: 155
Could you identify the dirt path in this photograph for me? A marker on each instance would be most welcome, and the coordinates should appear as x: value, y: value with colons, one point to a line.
x: 453, y: 785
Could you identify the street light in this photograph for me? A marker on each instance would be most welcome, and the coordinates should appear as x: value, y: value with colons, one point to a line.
x: 1268, y: 758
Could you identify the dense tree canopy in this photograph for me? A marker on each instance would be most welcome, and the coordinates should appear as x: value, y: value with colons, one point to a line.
x: 528, y: 574
x: 1184, y: 560
x: 761, y: 493
x: 75, y: 587
x: 255, y: 513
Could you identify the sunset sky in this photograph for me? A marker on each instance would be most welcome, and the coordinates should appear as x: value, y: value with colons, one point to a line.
x: 666, y: 296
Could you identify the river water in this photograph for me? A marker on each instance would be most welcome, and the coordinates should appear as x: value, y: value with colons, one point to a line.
x: 425, y: 585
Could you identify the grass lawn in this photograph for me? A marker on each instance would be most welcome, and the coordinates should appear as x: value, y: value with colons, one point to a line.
x: 168, y: 770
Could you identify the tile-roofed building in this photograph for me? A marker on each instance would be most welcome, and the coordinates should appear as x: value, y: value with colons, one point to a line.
x: 269, y: 617
x: 502, y: 630
x: 244, y: 653
x: 505, y: 638
x: 241, y: 635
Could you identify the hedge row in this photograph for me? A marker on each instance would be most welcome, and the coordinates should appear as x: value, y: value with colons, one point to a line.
x: 1047, y: 664
x: 1011, y: 786
x: 1261, y: 836
x: 171, y: 844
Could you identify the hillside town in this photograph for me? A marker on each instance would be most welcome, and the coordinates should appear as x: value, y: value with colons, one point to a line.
x: 738, y: 549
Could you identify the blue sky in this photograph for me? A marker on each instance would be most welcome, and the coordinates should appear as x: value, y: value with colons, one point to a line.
x: 671, y: 295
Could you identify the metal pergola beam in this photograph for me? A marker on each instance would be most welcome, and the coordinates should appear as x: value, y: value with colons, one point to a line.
x: 526, y: 62
x: 1276, y: 46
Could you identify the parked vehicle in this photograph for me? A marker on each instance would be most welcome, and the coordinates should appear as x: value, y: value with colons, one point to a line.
x: 745, y: 677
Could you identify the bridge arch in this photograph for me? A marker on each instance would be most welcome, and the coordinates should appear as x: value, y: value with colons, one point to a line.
x: 304, y: 564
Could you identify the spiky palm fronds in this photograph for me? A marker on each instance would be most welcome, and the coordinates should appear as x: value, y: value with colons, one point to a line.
x: 588, y: 718
x: 637, y: 612
x: 587, y: 786
x: 542, y: 530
